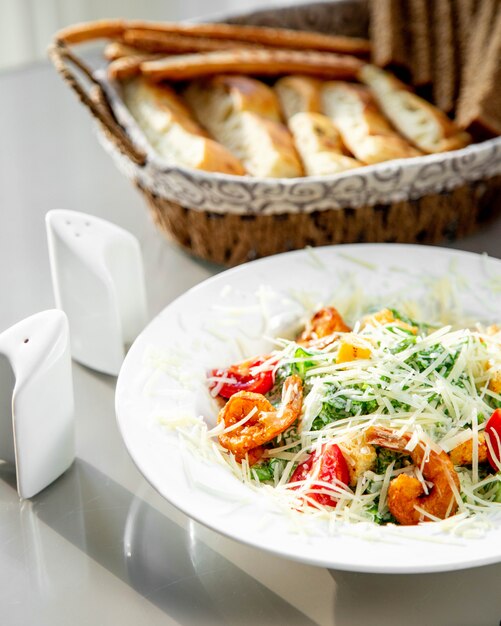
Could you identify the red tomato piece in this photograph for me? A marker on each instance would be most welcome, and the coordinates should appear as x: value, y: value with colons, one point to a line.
x: 244, y: 377
x: 329, y: 466
x: 493, y: 430
x: 303, y: 470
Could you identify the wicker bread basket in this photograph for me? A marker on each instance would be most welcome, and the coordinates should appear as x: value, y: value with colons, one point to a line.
x: 230, y: 219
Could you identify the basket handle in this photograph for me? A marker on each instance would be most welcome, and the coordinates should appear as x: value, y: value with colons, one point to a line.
x: 93, y: 98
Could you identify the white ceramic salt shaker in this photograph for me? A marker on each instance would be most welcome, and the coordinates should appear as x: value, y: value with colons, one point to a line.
x: 98, y: 280
x: 36, y: 400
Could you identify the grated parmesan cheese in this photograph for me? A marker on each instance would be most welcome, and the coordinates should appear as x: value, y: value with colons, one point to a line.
x: 433, y: 385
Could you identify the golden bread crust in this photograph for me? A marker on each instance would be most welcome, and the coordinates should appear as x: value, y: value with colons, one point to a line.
x: 364, y: 130
x: 259, y: 61
x: 426, y: 126
x: 243, y: 114
x: 272, y: 37
x: 170, y: 128
x: 319, y: 145
x: 298, y: 94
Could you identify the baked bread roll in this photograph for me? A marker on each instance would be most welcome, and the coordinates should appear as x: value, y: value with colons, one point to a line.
x: 243, y: 114
x: 169, y: 127
x: 364, y: 130
x: 246, y: 94
x: 298, y: 94
x: 268, y: 148
x: 316, y: 138
x: 319, y: 145
x: 420, y: 122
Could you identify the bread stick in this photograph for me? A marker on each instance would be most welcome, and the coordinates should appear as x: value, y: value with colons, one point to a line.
x: 155, y: 41
x: 116, y: 50
x: 129, y: 66
x: 274, y: 37
x: 87, y: 31
x: 257, y: 62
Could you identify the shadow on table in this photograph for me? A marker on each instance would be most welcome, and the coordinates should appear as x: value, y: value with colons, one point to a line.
x: 162, y: 561
x: 468, y: 597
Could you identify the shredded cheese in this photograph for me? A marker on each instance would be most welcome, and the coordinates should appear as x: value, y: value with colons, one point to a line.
x: 433, y: 384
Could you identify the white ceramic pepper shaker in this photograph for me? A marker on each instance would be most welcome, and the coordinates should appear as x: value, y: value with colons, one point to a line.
x: 36, y: 400
x: 98, y: 280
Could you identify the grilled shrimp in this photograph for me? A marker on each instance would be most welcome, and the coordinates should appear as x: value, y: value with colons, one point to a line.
x: 463, y: 453
x: 406, y: 492
x: 264, y: 423
x: 324, y: 323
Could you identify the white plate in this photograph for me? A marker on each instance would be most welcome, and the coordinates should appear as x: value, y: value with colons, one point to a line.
x: 224, y: 319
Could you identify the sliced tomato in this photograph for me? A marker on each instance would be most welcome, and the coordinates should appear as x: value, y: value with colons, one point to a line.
x: 493, y: 431
x: 303, y: 470
x: 244, y: 377
x: 329, y: 466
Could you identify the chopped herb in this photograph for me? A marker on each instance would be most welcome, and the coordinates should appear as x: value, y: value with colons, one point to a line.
x: 275, y: 393
x: 403, y: 345
x: 340, y: 406
x: 381, y: 518
x: 492, y: 402
x: 421, y: 326
x: 385, y: 457
x: 497, y: 493
x: 421, y: 360
x: 301, y: 367
x: 265, y: 471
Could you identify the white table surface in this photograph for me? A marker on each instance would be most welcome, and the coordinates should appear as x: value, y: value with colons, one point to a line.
x: 99, y: 545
